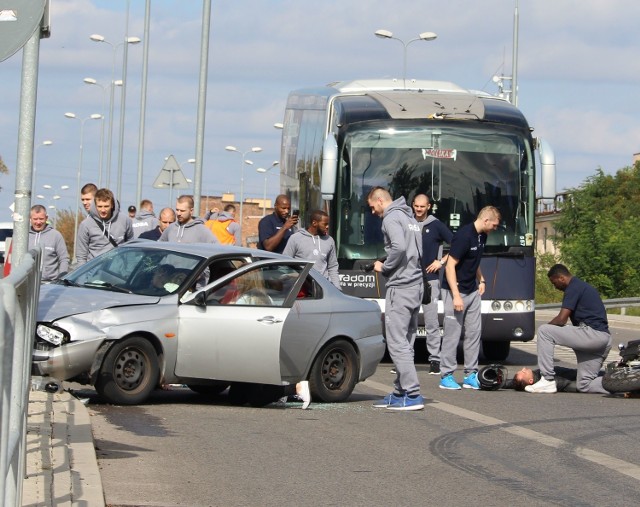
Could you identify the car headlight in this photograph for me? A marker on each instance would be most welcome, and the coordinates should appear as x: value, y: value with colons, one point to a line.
x: 53, y: 336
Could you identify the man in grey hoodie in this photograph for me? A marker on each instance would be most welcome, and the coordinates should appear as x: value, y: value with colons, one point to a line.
x: 104, y: 229
x: 315, y: 244
x: 55, y: 257
x: 403, y: 271
x: 187, y: 228
x: 145, y: 220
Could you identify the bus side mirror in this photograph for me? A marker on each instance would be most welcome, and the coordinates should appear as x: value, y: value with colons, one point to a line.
x: 547, y: 170
x: 329, y: 167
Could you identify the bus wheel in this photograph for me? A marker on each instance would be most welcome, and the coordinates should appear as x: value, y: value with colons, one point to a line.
x: 496, y: 351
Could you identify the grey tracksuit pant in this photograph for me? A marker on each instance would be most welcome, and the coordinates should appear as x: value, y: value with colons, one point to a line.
x: 470, y: 317
x: 431, y: 322
x: 402, y: 306
x: 590, y: 346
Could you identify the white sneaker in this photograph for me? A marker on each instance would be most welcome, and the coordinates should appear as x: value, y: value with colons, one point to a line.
x: 302, y: 390
x: 542, y: 386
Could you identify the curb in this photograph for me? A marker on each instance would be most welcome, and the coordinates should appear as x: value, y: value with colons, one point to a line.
x: 61, y: 464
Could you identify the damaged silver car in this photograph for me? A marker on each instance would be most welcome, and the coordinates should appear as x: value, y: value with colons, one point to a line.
x: 211, y: 317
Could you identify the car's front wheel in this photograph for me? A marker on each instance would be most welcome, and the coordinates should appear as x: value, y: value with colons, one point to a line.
x: 129, y: 372
x: 334, y: 373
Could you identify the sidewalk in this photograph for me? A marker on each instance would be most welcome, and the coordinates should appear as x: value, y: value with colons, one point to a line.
x: 61, y: 464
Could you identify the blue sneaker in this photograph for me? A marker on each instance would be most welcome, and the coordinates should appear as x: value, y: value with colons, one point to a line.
x: 387, y: 400
x: 448, y: 382
x: 471, y: 381
x: 407, y: 403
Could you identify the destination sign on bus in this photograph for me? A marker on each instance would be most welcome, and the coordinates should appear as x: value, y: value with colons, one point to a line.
x: 439, y: 153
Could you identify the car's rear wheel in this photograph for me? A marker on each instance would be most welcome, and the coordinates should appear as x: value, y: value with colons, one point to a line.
x: 334, y: 373
x: 209, y: 390
x: 129, y: 372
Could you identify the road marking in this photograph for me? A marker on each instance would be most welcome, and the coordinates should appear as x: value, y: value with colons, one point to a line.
x: 615, y: 464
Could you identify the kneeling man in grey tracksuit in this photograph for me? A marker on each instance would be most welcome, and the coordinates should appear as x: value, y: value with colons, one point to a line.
x: 403, y: 271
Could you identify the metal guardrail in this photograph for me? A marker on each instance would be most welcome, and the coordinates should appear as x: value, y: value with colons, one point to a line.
x: 19, y: 294
x: 608, y: 303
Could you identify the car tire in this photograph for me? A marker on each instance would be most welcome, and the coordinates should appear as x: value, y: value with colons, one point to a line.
x: 334, y: 373
x: 129, y: 372
x: 496, y: 351
x: 209, y: 390
x: 239, y: 393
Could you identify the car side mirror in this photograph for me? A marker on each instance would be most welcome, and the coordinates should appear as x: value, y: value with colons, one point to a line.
x: 200, y: 299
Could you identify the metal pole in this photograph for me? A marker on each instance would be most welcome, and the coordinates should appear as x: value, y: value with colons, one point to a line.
x: 514, y: 64
x: 110, y: 136
x: 241, y: 188
x: 125, y: 53
x: 26, y: 134
x: 264, y: 195
x: 75, y: 229
x: 143, y: 99
x: 202, y: 104
x: 104, y: 112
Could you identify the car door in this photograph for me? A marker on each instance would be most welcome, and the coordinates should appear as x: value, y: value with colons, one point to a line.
x: 231, y: 330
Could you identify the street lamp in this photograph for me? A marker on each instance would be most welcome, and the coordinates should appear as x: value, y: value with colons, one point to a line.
x: 114, y: 47
x: 72, y: 116
x: 386, y: 34
x: 264, y: 195
x: 92, y: 81
x: 55, y: 197
x: 255, y: 149
x: 46, y: 142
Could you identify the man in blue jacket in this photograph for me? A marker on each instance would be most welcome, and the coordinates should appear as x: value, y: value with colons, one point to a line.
x: 403, y: 271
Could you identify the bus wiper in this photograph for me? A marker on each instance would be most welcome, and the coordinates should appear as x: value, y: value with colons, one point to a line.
x: 107, y: 285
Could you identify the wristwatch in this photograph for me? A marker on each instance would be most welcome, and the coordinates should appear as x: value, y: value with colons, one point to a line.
x: 442, y: 262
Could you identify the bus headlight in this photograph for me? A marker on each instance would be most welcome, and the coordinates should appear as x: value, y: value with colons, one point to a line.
x: 508, y: 306
x: 519, y: 306
x: 517, y: 332
x: 495, y: 306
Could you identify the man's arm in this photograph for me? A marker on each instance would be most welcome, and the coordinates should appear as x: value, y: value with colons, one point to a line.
x: 562, y: 317
x: 396, y: 251
x: 452, y: 280
x: 271, y: 243
x: 482, y: 284
x: 62, y: 254
x: 332, y: 266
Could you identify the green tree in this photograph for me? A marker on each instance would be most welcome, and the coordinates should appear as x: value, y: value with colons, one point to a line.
x: 598, y: 232
x: 545, y: 292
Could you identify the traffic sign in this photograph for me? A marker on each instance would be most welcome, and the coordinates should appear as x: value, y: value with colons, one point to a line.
x: 19, y: 19
x: 171, y: 175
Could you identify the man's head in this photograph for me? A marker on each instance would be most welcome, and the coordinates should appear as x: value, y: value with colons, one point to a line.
x: 379, y: 200
x: 162, y: 275
x: 231, y: 209
x: 560, y: 276
x: 167, y: 217
x: 282, y: 206
x: 87, y: 193
x: 488, y: 219
x: 146, y: 205
x: 38, y: 217
x: 105, y: 203
x: 184, y: 209
x: 421, y: 207
x: 523, y: 378
x: 319, y: 223
x: 132, y: 211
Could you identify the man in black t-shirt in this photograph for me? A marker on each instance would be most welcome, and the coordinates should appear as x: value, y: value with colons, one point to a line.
x: 589, y: 335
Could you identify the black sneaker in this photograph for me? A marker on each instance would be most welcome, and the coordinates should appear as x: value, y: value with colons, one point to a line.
x: 434, y: 369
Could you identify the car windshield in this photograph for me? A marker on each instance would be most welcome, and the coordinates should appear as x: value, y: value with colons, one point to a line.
x: 144, y: 271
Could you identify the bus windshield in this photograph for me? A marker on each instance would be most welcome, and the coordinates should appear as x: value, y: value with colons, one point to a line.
x: 460, y: 168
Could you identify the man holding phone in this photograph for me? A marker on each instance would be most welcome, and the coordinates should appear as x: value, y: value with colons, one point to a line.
x: 275, y: 230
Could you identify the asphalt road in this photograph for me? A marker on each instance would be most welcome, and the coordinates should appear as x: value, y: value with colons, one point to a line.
x: 466, y: 447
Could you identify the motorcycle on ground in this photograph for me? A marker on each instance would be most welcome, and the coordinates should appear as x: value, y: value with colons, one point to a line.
x: 623, y: 375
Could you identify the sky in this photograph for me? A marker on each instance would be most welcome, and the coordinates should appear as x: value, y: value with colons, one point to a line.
x: 578, y: 81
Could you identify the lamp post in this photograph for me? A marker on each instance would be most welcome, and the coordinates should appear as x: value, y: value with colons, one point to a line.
x: 264, y: 194
x: 171, y: 182
x: 82, y: 121
x: 46, y: 142
x: 255, y: 149
x: 92, y: 81
x: 386, y: 34
x: 114, y: 47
